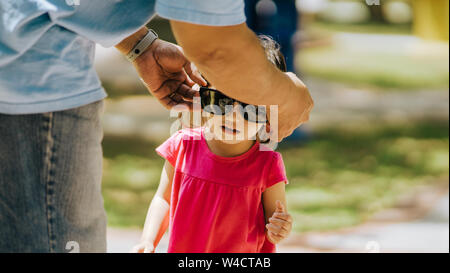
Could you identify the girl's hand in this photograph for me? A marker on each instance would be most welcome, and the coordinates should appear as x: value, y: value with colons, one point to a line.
x: 143, y: 247
x: 280, y: 224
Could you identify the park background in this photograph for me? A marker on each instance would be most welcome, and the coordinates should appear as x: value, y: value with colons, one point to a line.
x: 368, y: 173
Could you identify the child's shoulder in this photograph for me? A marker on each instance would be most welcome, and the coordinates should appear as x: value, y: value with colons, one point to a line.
x: 269, y: 154
x: 188, y: 134
x: 274, y: 166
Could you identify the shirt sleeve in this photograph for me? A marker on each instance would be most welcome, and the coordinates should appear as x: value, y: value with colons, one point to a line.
x: 170, y: 148
x: 277, y: 171
x: 105, y: 22
x: 203, y: 12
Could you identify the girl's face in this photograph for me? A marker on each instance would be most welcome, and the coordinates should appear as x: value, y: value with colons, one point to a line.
x: 232, y: 128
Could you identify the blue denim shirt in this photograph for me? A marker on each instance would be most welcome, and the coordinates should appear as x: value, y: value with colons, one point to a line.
x: 47, y: 47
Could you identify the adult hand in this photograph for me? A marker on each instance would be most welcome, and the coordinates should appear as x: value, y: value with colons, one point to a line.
x: 280, y: 224
x: 168, y: 75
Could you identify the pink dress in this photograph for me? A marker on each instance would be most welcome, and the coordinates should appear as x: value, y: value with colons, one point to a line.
x: 216, y: 202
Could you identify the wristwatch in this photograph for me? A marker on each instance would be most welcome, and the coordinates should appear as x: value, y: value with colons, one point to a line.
x: 142, y: 45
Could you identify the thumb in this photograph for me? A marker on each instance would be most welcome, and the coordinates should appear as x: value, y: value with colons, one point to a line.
x: 280, y: 206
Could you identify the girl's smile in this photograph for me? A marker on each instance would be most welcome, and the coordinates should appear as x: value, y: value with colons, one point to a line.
x: 230, y: 131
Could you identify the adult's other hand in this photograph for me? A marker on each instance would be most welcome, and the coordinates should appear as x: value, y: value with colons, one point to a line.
x: 165, y: 71
x: 168, y: 75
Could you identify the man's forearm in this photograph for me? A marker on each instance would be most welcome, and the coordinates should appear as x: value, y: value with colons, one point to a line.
x: 233, y: 60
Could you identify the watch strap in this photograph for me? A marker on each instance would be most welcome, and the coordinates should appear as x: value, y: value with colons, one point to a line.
x: 142, y: 45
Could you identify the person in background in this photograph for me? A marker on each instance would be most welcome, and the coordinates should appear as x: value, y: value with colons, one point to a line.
x: 278, y: 19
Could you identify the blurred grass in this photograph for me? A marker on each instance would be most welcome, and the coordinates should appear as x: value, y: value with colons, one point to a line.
x: 162, y: 27
x: 338, y: 179
x: 370, y: 27
x: 383, y: 70
x: 425, y: 69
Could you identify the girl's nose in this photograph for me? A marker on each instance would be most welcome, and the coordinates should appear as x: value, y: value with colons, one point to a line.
x: 235, y: 114
x: 236, y: 106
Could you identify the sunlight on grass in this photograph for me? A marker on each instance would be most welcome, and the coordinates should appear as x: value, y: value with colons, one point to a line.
x: 369, y: 27
x: 376, y: 69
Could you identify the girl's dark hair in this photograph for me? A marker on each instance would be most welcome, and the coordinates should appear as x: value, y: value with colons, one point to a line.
x: 274, y: 55
x: 273, y: 52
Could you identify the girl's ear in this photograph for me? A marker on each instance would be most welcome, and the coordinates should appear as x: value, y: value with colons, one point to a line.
x: 267, y: 126
x: 263, y: 135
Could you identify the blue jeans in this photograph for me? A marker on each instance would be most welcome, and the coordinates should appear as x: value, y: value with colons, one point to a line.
x: 50, y: 181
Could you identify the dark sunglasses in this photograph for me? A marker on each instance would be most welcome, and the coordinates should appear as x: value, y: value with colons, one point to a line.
x: 213, y: 101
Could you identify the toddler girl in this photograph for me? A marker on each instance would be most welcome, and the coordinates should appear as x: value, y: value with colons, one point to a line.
x: 218, y: 191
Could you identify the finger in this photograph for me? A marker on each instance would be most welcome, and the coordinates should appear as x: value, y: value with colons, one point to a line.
x: 279, y: 222
x: 169, y: 94
x: 176, y: 97
x: 277, y: 230
x: 168, y: 103
x: 179, y: 100
x: 275, y: 238
x: 180, y: 68
x: 181, y: 77
x: 280, y: 206
x: 274, y: 228
x: 283, y: 216
x: 175, y: 87
x: 194, y: 74
x: 186, y: 92
x: 166, y: 88
x: 187, y: 80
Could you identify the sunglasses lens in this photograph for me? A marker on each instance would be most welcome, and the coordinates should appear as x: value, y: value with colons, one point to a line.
x: 254, y: 113
x: 217, y: 103
x: 214, y: 102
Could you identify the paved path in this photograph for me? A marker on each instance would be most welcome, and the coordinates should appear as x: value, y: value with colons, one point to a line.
x: 428, y: 234
x: 122, y: 240
x: 337, y: 104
